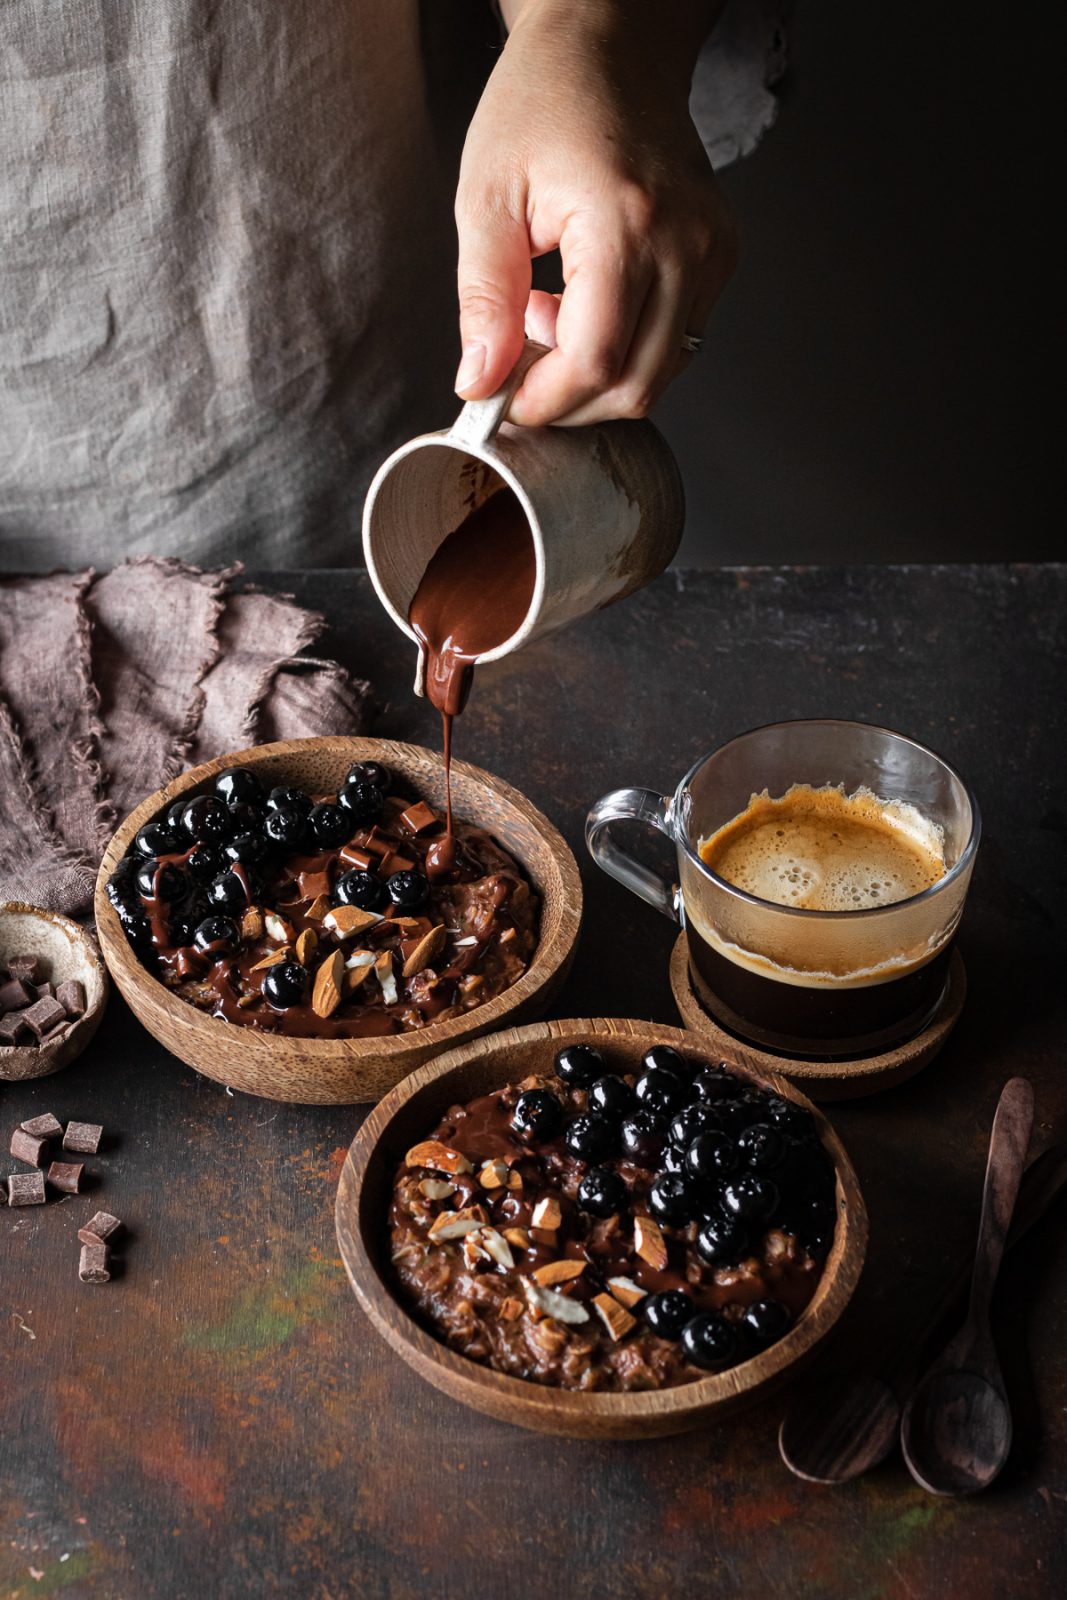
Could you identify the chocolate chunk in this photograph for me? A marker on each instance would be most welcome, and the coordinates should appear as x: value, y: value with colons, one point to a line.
x: 13, y: 1028
x: 44, y: 1014
x: 417, y: 818
x: 71, y: 996
x: 83, y: 1137
x: 25, y: 1189
x: 25, y: 1147
x: 14, y: 994
x: 46, y: 1126
x: 45, y: 991
x: 66, y: 1175
x: 55, y: 1033
x: 99, y: 1228
x: 92, y: 1268
x: 29, y: 968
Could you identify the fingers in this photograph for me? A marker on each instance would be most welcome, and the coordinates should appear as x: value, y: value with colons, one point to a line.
x: 542, y: 310
x: 494, y: 285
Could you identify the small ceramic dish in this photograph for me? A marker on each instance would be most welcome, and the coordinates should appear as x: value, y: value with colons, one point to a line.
x: 409, y: 1113
x: 69, y: 952
x: 343, y: 1071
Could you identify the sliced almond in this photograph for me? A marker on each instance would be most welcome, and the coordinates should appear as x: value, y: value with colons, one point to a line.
x: 518, y: 1237
x: 383, y: 966
x: 616, y: 1319
x: 429, y: 946
x: 344, y: 921
x: 271, y: 960
x: 361, y: 961
x: 511, y: 1310
x: 626, y: 1291
x: 252, y: 924
x: 473, y: 1249
x: 546, y: 1213
x: 318, y: 908
x: 515, y: 1183
x: 436, y: 1188
x: 546, y: 1236
x: 496, y: 1245
x: 306, y: 945
x: 507, y: 936
x: 326, y: 991
x: 494, y: 1174
x: 552, y: 1304
x: 455, y: 1224
x: 247, y: 1000
x: 441, y: 1157
x: 278, y: 929
x: 559, y: 1272
x: 649, y: 1243
x: 534, y: 1081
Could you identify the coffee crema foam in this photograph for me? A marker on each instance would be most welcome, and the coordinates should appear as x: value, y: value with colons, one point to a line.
x: 825, y: 850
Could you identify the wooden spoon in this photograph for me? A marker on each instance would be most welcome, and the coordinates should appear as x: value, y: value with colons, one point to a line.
x: 841, y: 1428
x: 956, y: 1428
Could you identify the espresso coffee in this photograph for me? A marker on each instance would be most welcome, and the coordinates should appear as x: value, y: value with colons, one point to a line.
x: 475, y: 593
x: 802, y: 985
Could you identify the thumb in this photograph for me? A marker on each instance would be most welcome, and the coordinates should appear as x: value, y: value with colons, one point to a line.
x: 494, y: 285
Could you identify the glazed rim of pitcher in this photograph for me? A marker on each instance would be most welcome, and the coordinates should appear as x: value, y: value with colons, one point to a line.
x: 966, y: 855
x: 444, y: 441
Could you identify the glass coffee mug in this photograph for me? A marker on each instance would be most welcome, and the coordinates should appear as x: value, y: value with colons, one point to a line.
x: 801, y: 982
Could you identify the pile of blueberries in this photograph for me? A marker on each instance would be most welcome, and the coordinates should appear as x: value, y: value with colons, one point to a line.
x: 726, y: 1155
x: 230, y: 839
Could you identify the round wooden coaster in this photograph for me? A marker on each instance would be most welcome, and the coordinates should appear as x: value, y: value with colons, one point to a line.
x: 825, y: 1080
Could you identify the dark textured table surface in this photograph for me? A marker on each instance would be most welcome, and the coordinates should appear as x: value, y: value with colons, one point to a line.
x: 222, y: 1422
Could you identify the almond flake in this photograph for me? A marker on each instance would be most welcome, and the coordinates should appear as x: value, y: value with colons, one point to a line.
x: 515, y: 1183
x: 361, y: 961
x: 507, y: 936
x: 546, y: 1213
x: 326, y: 993
x: 318, y: 908
x: 518, y: 1237
x: 306, y: 945
x: 344, y: 921
x: 271, y: 960
x: 497, y: 1246
x: 455, y: 1224
x: 626, y: 1291
x: 552, y: 1304
x: 424, y: 952
x: 463, y: 944
x: 559, y: 1272
x: 473, y: 1249
x: 649, y: 1243
x: 247, y: 1000
x: 494, y: 1174
x: 436, y: 1188
x: 252, y: 924
x: 278, y: 929
x: 383, y: 966
x: 546, y: 1236
x: 441, y: 1157
x: 616, y: 1319
x: 511, y: 1310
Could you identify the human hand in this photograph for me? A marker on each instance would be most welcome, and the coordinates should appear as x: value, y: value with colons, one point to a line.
x: 583, y: 140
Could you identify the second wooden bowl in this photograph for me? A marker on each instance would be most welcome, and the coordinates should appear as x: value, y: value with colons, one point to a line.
x: 410, y: 1112
x: 343, y: 1071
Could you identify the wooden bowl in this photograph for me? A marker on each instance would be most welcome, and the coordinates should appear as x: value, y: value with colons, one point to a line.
x: 409, y: 1113
x: 70, y: 953
x: 342, y: 1071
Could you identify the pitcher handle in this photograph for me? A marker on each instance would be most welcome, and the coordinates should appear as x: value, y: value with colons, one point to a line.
x: 479, y: 419
x: 632, y: 805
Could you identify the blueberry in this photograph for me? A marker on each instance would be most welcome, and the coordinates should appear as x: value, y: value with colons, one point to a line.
x: 750, y: 1196
x: 156, y: 839
x: 715, y: 1084
x: 362, y: 889
x: 602, y: 1192
x: 742, y: 1112
x: 285, y: 984
x: 711, y: 1155
x: 204, y: 862
x: 216, y: 936
x: 180, y: 932
x: 668, y: 1313
x: 765, y: 1321
x: 361, y: 802
x: 158, y: 882
x: 408, y: 890
x: 205, y: 817
x: 699, y: 1118
x: 722, y: 1241
x: 537, y: 1114
x: 579, y: 1065
x: 237, y: 785
x: 673, y: 1159
x: 284, y: 826
x: 591, y: 1137
x: 245, y: 817
x: 294, y: 799
x: 329, y: 825
x: 229, y: 894
x: 663, y: 1057
x: 642, y: 1138
x: 806, y: 1170
x: 612, y: 1097
x: 670, y: 1198
x: 709, y: 1341
x: 791, y: 1119
x: 761, y: 1147
x: 173, y: 818
x: 371, y: 772
x: 250, y: 849
x: 660, y: 1090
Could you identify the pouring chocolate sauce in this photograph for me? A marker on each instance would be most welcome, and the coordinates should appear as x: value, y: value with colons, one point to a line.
x: 475, y: 593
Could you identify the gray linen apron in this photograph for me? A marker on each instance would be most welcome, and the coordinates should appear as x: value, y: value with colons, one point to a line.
x: 227, y: 261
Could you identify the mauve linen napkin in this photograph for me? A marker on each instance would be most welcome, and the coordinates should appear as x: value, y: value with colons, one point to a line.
x: 112, y: 685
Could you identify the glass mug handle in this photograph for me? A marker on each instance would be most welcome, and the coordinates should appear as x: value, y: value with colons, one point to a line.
x: 632, y: 805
